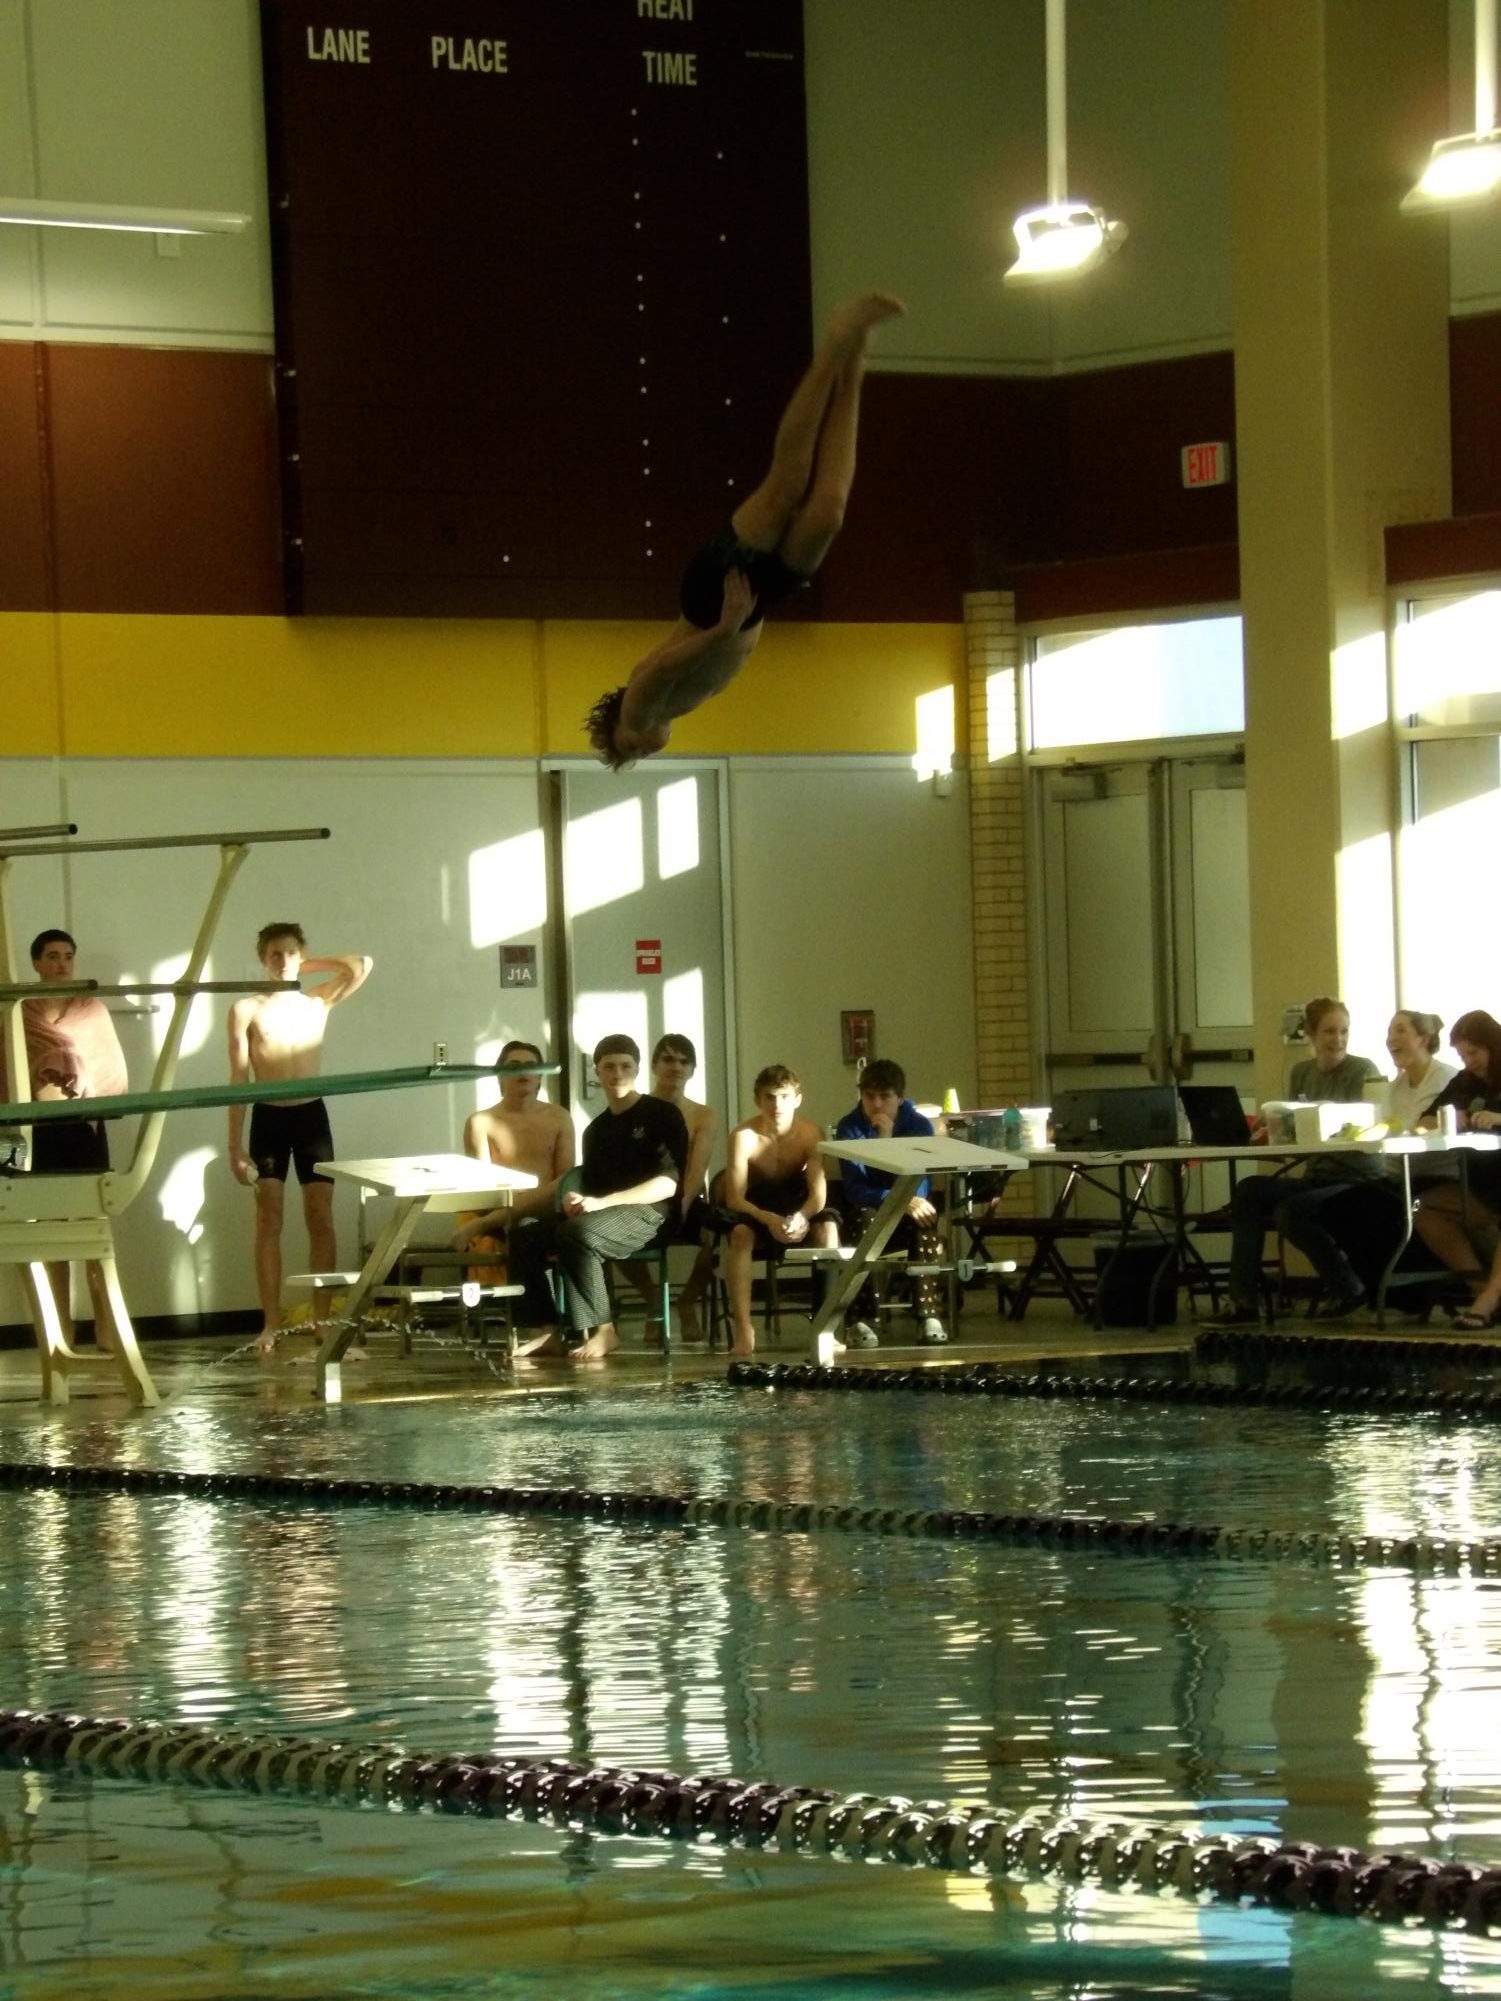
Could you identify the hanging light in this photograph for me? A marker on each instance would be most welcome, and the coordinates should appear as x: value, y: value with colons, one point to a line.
x: 1467, y: 168
x: 1063, y: 238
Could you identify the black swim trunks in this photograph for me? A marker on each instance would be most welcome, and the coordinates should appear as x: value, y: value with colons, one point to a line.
x: 280, y: 1134
x: 781, y: 1197
x: 701, y: 593
x: 70, y: 1146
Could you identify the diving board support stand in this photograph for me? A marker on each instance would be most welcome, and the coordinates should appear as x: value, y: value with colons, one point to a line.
x: 58, y: 1218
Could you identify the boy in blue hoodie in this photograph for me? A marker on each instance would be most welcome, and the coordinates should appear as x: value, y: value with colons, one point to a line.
x: 886, y: 1112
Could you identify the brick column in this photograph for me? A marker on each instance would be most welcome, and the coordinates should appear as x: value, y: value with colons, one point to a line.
x: 997, y: 861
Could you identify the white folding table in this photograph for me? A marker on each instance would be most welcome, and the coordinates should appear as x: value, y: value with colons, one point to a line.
x: 912, y: 1161
x: 420, y: 1184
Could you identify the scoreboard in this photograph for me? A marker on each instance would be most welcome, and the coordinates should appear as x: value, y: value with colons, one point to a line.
x: 542, y: 289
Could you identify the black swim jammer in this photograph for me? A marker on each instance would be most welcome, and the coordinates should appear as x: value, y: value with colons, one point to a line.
x: 701, y: 593
x: 281, y: 1134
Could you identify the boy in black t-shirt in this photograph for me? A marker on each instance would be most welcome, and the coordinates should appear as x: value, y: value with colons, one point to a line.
x: 634, y: 1155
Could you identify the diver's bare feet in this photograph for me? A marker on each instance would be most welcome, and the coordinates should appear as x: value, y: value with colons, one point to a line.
x: 691, y: 1326
x: 743, y: 1345
x: 598, y: 1345
x: 852, y: 321
x: 543, y: 1342
x: 265, y: 1342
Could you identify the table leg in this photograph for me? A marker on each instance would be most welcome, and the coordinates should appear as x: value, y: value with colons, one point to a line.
x: 388, y: 1246
x: 1406, y: 1238
x: 853, y: 1275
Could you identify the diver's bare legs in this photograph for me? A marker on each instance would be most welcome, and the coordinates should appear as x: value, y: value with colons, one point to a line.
x: 819, y: 519
x: 763, y: 518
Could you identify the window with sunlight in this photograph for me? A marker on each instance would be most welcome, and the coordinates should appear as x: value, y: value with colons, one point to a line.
x: 1448, y: 701
x: 1137, y: 683
x: 1449, y: 660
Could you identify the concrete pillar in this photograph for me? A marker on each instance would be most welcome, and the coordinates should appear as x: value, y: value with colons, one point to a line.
x: 1342, y: 422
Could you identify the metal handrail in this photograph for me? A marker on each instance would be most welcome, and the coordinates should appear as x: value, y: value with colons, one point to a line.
x: 74, y: 989
x: 254, y: 838
x: 38, y: 833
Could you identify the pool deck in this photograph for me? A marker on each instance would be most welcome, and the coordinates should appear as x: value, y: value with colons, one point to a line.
x: 216, y: 1368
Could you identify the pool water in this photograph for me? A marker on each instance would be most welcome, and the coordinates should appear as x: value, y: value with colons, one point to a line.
x: 1349, y: 1706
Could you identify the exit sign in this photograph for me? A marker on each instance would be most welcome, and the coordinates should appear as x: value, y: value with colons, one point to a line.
x: 1206, y: 465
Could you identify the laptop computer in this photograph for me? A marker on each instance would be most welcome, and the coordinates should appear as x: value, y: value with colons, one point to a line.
x: 1215, y: 1114
x: 1116, y: 1121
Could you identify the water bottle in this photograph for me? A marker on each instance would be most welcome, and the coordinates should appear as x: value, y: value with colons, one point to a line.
x: 1011, y: 1129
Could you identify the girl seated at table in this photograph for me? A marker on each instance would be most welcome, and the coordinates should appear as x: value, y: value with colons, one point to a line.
x: 1291, y: 1203
x: 1449, y: 1211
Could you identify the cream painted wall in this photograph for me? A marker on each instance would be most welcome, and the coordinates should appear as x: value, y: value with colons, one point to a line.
x: 925, y: 137
x: 1475, y: 240
x: 151, y: 102
x: 850, y: 884
x: 1148, y: 104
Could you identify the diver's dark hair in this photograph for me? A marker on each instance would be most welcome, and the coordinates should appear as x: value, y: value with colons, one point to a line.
x: 43, y: 939
x: 599, y: 727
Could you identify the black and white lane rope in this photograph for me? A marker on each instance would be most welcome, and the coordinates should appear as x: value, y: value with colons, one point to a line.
x: 615, y: 1800
x: 986, y: 1379
x: 1335, y: 1547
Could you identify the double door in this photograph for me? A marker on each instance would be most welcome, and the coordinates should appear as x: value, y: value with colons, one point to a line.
x: 643, y: 918
x: 1147, y: 940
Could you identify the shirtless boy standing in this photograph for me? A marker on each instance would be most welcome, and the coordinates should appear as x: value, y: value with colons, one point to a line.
x: 775, y: 1180
x: 272, y: 1036
x: 776, y: 539
x: 519, y: 1132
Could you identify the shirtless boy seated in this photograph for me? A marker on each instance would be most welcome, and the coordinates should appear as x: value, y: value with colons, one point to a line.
x: 274, y: 1036
x: 776, y: 539
x: 774, y: 1179
x: 522, y: 1132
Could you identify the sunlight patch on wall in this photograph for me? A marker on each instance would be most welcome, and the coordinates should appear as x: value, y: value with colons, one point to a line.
x: 1360, y: 685
x: 683, y: 1014
x: 507, y: 889
x: 677, y: 827
x: 182, y: 1192
x: 200, y: 1014
x: 1001, y: 735
x: 935, y: 733
x: 1364, y: 890
x: 603, y: 857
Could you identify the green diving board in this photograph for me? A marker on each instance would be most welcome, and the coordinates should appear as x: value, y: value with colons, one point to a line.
x: 44, y: 1111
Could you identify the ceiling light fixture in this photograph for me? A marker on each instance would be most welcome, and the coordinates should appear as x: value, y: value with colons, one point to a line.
x: 100, y: 215
x: 1467, y: 168
x: 1063, y: 238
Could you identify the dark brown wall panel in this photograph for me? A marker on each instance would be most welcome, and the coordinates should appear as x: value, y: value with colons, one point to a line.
x: 1119, y: 434
x: 164, y: 480
x: 954, y: 483
x: 543, y: 286
x: 1424, y: 551
x: 1475, y: 412
x: 1157, y: 580
x: 23, y: 522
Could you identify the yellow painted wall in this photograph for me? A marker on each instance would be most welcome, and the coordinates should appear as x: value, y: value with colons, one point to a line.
x: 106, y: 685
